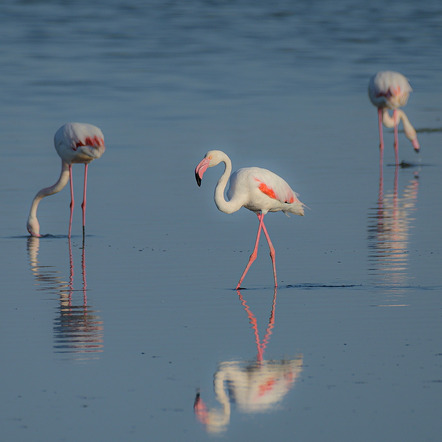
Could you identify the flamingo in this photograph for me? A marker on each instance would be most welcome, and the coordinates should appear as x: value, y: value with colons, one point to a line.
x: 256, y: 189
x: 74, y: 143
x: 390, y: 90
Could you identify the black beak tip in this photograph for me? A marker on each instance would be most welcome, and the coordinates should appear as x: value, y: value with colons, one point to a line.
x: 198, y: 180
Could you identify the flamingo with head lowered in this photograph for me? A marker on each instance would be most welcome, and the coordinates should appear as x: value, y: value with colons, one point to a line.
x: 256, y: 189
x: 74, y: 143
x: 390, y: 90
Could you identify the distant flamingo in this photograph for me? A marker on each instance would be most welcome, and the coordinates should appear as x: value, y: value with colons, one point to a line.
x: 256, y: 189
x: 75, y: 143
x: 390, y: 90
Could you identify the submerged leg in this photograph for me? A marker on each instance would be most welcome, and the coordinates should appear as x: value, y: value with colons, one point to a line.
x: 72, y: 200
x: 272, y: 249
x: 381, y: 137
x: 83, y: 204
x: 252, y: 256
x: 396, y: 141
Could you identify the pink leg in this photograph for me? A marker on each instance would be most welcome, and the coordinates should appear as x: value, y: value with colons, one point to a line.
x: 272, y: 249
x: 396, y: 142
x: 252, y: 256
x: 72, y: 199
x: 381, y: 137
x: 83, y: 204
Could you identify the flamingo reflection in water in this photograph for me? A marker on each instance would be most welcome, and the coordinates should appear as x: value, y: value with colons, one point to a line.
x: 78, y: 330
x: 389, y: 230
x: 254, y: 386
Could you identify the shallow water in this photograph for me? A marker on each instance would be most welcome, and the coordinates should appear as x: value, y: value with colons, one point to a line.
x: 137, y: 333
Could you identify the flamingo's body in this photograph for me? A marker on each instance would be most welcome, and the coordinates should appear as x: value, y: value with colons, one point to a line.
x: 74, y: 143
x: 390, y: 90
x: 256, y: 189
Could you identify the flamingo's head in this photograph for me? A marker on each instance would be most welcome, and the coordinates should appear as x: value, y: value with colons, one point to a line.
x: 33, y: 227
x: 416, y: 145
x: 212, y: 158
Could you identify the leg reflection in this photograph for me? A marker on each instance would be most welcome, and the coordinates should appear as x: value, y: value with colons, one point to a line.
x: 78, y: 330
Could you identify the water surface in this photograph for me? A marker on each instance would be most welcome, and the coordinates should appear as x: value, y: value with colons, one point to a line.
x: 136, y: 332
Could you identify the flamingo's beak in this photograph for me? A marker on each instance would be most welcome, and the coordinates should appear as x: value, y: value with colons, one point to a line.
x: 200, y: 169
x: 416, y: 145
x: 198, y: 179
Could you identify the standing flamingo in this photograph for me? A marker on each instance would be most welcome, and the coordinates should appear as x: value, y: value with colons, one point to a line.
x: 390, y: 90
x: 256, y: 189
x: 74, y: 143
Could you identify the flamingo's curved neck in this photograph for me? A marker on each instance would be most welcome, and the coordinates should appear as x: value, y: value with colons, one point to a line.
x: 220, y: 200
x: 388, y: 121
x: 33, y: 226
x: 220, y: 392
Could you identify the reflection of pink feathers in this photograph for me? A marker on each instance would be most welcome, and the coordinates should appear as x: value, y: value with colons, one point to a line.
x: 74, y: 143
x: 390, y: 90
x: 256, y: 189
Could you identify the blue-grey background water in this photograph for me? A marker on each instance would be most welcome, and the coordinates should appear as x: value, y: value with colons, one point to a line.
x: 116, y: 338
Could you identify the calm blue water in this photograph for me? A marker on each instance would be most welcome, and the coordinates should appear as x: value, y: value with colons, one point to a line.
x: 137, y: 333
